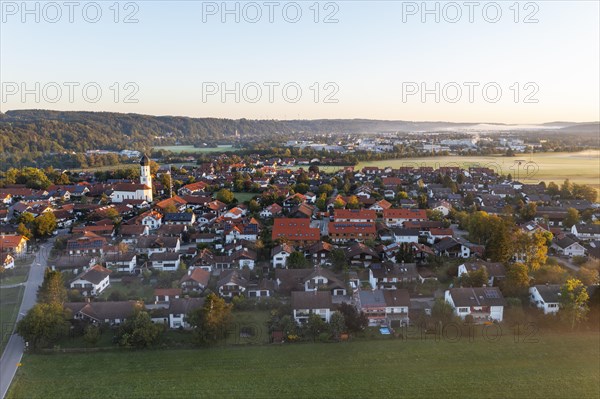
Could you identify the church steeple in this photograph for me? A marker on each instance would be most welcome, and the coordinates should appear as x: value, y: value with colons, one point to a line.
x: 145, y: 177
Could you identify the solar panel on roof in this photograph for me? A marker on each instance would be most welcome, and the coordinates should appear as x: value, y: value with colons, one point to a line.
x: 492, y: 294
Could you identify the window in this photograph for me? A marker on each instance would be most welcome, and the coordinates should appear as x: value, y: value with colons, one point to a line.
x: 463, y: 310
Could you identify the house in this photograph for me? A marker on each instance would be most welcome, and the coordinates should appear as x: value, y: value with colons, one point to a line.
x: 14, y: 244
x: 546, y: 297
x: 452, y: 248
x: 166, y: 294
x: 396, y: 217
x: 165, y: 261
x: 180, y: 308
x: 280, y: 255
x: 586, y: 231
x: 354, y: 215
x: 315, y: 302
x: 319, y: 252
x: 385, y: 307
x: 495, y: 270
x: 72, y: 264
x: 482, y: 303
x: 442, y: 206
x: 195, y: 280
x: 153, y: 244
x: 7, y: 261
x: 389, y: 275
x: 152, y: 219
x: 192, y: 188
x: 296, y: 231
x: 92, y: 281
x: 360, y: 254
x: 263, y: 289
x: 109, y: 312
x: 121, y: 262
x: 231, y: 283
x: 86, y: 243
x: 270, y: 211
x: 405, y: 235
x: 380, y: 206
x: 435, y: 234
x: 129, y: 233
x: 348, y: 231
x: 566, y: 246
x: 179, y: 218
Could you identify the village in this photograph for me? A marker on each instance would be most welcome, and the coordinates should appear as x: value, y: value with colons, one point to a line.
x: 389, y: 243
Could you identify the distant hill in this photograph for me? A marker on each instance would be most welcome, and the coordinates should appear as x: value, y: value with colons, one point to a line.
x: 35, y: 131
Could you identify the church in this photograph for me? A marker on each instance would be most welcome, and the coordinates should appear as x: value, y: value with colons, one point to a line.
x: 135, y: 191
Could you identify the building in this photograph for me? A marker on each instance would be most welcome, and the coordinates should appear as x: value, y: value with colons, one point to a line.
x: 315, y: 302
x: 566, y: 246
x: 545, y: 297
x: 495, y: 270
x: 483, y: 304
x: 296, y: 231
x: 133, y: 191
x: 92, y: 282
x: 396, y: 217
x: 13, y: 244
x: 354, y: 215
x: 385, y: 307
x: 347, y: 231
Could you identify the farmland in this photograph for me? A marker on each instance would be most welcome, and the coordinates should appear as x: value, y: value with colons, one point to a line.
x: 557, y: 366
x: 582, y: 167
x: 198, y: 150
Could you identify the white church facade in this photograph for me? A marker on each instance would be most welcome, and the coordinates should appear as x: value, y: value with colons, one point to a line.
x: 135, y: 191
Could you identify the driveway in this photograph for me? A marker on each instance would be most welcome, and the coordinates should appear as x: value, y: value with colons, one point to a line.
x: 14, y: 349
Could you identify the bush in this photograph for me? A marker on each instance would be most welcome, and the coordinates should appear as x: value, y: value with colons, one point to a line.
x: 579, y: 260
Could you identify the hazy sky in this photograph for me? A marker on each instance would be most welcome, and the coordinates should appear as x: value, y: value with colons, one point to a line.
x: 384, y: 60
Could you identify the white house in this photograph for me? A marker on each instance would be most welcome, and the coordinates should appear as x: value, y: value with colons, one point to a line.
x: 315, y: 302
x: 545, y: 297
x: 93, y: 281
x: 568, y: 247
x: 125, y: 262
x: 586, y: 231
x: 385, y: 307
x: 7, y: 261
x: 482, y: 303
x: 405, y: 235
x: 165, y: 261
x: 495, y: 270
x: 153, y: 220
x: 280, y: 255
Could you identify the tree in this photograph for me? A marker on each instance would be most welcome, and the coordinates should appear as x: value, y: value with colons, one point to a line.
x: 442, y: 311
x: 24, y: 231
x: 44, y: 225
x: 434, y: 214
x: 475, y: 278
x: 516, y: 282
x: 552, y: 189
x: 52, y: 290
x: 355, y: 320
x: 337, y: 324
x: 139, y: 331
x: 211, y: 320
x: 325, y: 189
x: 254, y: 206
x: 529, y: 211
x: 572, y: 217
x: 588, y: 275
x: 573, y: 302
x: 353, y: 202
x: 314, y: 326
x: 531, y: 248
x: 225, y: 196
x: 26, y: 218
x: 297, y: 260
x: 91, y: 334
x: 338, y: 259
x: 43, y: 325
x: 499, y: 246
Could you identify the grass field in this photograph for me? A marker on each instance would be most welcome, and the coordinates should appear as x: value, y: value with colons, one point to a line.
x: 582, y: 167
x: 241, y: 197
x: 192, y: 149
x: 555, y: 367
x: 10, y: 302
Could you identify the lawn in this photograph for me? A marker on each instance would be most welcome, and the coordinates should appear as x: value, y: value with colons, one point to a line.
x: 558, y: 366
x: 10, y: 302
x: 134, y: 291
x: 248, y: 328
x: 242, y: 197
x: 18, y: 274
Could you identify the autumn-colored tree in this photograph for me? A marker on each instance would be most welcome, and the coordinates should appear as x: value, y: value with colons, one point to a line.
x: 531, y: 249
x: 573, y: 302
x: 225, y: 196
x: 211, y: 320
x: 516, y: 282
x: 53, y: 288
x: 43, y: 325
x: 44, y: 225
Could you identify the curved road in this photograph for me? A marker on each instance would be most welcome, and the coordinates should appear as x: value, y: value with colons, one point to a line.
x: 14, y: 349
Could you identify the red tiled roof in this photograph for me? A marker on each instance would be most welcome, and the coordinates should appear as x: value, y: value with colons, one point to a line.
x: 295, y: 230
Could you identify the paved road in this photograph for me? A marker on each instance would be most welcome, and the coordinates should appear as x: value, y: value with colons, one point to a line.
x: 14, y: 349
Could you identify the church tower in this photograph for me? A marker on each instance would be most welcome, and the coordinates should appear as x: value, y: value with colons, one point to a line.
x: 145, y: 177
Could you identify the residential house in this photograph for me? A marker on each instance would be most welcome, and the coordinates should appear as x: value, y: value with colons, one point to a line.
x: 121, y: 262
x: 110, y: 312
x: 495, y: 270
x: 546, y: 297
x: 315, y: 302
x: 391, y: 275
x: 396, y: 217
x: 483, y: 304
x: 15, y: 245
x: 7, y: 261
x: 360, y: 254
x: 452, y: 248
x: 92, y: 282
x: 195, y: 280
x: 231, y: 283
x: 296, y: 231
x: 166, y: 294
x: 165, y: 261
x: 586, y: 231
x: 566, y: 246
x: 280, y: 255
x: 351, y: 231
x: 86, y: 243
x: 385, y: 307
